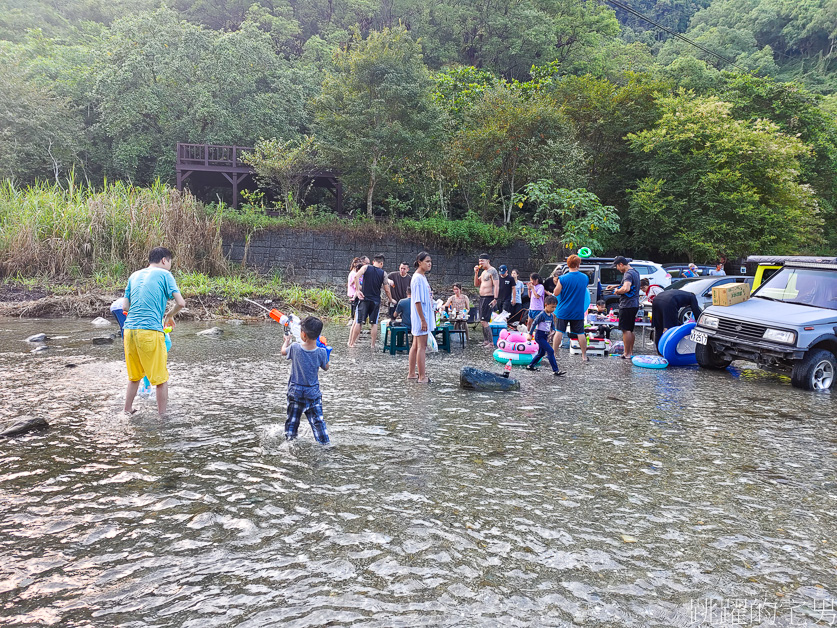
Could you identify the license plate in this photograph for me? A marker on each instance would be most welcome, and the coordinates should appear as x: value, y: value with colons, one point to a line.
x: 698, y: 337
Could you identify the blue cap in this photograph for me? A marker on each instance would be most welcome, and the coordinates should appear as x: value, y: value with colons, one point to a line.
x: 503, y: 268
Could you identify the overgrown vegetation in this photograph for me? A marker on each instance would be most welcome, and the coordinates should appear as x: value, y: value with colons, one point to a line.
x: 77, y: 231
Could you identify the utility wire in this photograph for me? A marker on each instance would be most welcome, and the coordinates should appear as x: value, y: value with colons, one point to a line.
x: 635, y: 13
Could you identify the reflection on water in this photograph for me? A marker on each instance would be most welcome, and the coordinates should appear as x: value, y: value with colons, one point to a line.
x: 616, y: 496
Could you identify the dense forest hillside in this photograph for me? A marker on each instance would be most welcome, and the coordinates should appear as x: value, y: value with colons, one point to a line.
x: 508, y: 111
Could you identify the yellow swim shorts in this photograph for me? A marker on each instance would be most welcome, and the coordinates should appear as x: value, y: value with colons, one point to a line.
x: 146, y: 355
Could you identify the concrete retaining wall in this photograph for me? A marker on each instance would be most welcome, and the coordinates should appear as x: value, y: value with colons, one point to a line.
x: 310, y: 257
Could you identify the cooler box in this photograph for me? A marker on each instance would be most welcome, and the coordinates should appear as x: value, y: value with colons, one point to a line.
x: 496, y: 328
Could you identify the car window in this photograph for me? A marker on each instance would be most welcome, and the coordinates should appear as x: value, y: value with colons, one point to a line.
x: 610, y: 275
x: 643, y: 270
x: 814, y: 287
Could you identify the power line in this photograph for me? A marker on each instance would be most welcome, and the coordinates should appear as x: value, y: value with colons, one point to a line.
x: 635, y: 13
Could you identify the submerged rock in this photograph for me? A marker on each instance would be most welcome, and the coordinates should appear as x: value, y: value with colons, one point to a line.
x: 38, y: 338
x: 100, y: 322
x: 212, y: 331
x: 104, y: 340
x: 476, y: 379
x: 23, y: 426
x: 40, y: 349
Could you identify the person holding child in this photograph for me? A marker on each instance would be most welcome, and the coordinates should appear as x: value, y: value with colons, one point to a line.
x: 543, y: 324
x: 459, y: 302
x: 304, y: 382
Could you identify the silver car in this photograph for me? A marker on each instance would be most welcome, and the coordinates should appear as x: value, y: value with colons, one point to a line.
x: 701, y: 287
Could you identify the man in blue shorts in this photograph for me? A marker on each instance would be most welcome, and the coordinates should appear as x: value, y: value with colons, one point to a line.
x: 571, y: 290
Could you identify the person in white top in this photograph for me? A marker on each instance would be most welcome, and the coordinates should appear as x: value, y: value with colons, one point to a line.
x: 423, y: 320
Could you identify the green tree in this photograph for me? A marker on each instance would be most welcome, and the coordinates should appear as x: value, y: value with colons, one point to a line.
x: 38, y: 130
x: 603, y: 114
x: 375, y: 110
x: 577, y: 215
x: 509, y: 140
x: 720, y: 185
x: 285, y: 166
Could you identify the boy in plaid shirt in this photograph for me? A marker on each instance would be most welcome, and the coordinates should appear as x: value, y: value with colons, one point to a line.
x: 304, y: 383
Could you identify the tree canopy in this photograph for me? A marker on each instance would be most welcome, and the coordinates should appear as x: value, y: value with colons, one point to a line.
x: 453, y: 109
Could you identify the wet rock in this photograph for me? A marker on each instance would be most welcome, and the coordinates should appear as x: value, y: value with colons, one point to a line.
x: 38, y: 338
x: 70, y: 365
x: 24, y: 426
x: 212, y: 331
x: 475, y: 379
x: 40, y: 349
x: 100, y: 322
x: 104, y: 340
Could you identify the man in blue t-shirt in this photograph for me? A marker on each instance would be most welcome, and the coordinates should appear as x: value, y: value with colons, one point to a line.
x: 402, y: 312
x: 146, y: 296
x: 571, y: 290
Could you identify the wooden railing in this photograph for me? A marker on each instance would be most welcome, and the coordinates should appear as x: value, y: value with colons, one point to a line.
x: 211, y: 155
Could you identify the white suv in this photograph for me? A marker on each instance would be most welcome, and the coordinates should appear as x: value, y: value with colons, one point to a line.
x: 653, y: 272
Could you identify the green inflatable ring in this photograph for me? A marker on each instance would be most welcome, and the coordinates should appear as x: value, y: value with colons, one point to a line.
x: 584, y: 252
x: 516, y: 358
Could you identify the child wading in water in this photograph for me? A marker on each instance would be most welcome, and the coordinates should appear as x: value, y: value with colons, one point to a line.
x: 304, y: 383
x: 544, y: 323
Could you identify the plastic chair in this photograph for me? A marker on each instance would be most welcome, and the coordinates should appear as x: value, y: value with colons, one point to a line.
x: 397, y: 339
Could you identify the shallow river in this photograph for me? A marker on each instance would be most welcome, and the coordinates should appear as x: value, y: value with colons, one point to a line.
x: 613, y: 497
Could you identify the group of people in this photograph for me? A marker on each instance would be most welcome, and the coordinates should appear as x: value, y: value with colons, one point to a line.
x: 553, y: 308
x: 409, y: 300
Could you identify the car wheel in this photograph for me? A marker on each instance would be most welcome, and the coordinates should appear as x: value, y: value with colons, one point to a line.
x: 707, y: 358
x: 815, y: 371
x: 685, y: 314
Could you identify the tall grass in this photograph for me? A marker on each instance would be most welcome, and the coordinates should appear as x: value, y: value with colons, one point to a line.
x: 79, y: 231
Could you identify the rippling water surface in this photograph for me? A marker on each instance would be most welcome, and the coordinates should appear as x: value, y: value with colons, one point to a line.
x: 613, y: 497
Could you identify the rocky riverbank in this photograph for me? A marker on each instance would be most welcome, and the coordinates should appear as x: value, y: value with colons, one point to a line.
x: 44, y: 301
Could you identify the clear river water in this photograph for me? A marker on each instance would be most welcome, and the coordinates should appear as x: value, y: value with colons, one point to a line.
x: 615, y: 496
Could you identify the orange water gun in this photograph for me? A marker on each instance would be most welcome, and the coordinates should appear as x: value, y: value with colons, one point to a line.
x: 285, y: 320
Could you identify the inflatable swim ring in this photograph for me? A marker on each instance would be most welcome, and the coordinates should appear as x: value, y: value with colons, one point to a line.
x: 676, y: 347
x: 649, y: 361
x: 584, y: 252
x: 513, y: 345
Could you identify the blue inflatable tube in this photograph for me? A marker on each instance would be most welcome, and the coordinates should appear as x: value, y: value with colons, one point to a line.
x: 649, y: 361
x: 676, y: 347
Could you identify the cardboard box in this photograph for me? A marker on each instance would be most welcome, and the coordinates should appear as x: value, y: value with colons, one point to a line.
x: 730, y: 293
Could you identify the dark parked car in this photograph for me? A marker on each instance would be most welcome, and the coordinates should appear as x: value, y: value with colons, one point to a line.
x: 676, y: 270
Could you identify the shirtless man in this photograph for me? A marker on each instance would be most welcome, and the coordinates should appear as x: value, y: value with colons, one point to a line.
x: 489, y: 284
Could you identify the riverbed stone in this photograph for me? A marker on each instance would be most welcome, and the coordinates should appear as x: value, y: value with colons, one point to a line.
x: 100, y: 322
x: 104, y: 340
x: 472, y: 378
x: 38, y: 338
x: 212, y: 331
x: 23, y: 426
